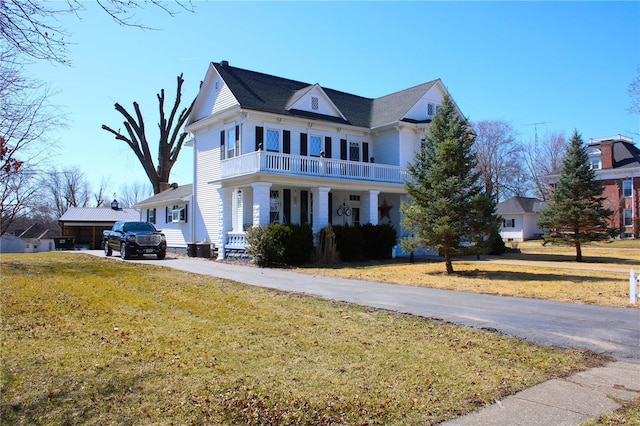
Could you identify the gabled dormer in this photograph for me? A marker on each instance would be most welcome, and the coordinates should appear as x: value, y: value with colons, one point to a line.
x: 427, y: 105
x: 595, y: 157
x: 313, y: 99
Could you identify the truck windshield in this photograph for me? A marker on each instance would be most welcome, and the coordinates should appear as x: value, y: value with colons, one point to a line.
x: 138, y: 227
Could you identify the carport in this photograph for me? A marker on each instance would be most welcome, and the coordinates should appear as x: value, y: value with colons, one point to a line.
x: 86, y: 224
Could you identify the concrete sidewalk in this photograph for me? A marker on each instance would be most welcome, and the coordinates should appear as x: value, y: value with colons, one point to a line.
x: 569, y: 401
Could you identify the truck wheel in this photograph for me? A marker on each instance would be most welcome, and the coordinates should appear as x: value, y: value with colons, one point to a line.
x: 107, y: 249
x: 161, y: 255
x: 123, y: 251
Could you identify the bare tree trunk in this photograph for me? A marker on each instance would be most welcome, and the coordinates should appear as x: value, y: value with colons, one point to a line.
x: 169, y: 145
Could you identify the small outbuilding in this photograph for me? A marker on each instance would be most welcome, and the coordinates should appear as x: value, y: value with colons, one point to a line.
x: 85, y: 224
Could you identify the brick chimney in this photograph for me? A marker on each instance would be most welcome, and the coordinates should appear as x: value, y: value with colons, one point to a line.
x: 606, y: 148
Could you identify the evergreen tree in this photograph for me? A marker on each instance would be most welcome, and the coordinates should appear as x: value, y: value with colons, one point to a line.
x: 484, y: 225
x: 443, y: 184
x: 575, y: 214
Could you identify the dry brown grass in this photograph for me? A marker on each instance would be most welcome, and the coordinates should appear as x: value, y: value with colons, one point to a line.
x: 89, y: 340
x: 541, y: 272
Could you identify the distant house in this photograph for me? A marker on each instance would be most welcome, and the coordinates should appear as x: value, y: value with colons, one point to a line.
x: 616, y: 161
x: 520, y: 218
x: 169, y: 212
x: 85, y: 224
x: 35, y: 238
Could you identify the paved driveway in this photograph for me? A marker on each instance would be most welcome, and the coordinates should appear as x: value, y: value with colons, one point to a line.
x: 609, y: 331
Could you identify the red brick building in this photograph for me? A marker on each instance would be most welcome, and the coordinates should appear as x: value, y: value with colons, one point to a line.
x: 617, y: 163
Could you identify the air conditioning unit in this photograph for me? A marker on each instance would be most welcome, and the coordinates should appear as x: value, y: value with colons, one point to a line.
x: 178, y: 215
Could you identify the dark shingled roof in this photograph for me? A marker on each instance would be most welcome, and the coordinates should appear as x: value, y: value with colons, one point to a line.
x: 625, y: 155
x: 520, y: 205
x: 268, y: 93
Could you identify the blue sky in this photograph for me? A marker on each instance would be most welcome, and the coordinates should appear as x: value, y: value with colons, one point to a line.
x: 568, y: 64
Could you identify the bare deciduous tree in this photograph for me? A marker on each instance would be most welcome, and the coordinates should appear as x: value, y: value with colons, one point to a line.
x: 544, y: 158
x: 25, y: 117
x: 170, y: 141
x: 65, y: 188
x: 634, y: 93
x: 499, y: 159
x: 133, y: 192
x: 31, y: 26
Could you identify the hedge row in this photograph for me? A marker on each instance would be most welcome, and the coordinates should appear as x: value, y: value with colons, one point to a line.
x: 277, y: 244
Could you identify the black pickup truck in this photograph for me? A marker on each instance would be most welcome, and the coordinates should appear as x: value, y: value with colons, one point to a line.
x: 134, y: 239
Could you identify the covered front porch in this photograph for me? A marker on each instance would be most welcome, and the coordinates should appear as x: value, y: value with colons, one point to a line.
x: 262, y: 203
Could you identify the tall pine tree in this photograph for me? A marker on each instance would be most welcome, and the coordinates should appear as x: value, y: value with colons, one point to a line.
x: 443, y: 184
x: 575, y: 214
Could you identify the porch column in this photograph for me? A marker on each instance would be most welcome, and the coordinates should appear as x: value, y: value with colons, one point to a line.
x: 370, y: 207
x: 261, y: 201
x: 225, y: 218
x: 238, y: 226
x: 320, y: 208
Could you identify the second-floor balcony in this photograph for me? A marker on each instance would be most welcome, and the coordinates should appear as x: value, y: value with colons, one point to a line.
x: 287, y: 164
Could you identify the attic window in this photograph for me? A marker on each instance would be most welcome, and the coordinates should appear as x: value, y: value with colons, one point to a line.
x: 430, y: 108
x: 217, y: 85
x: 315, y: 103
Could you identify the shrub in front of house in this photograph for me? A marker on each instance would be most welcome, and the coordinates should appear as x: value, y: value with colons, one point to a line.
x: 349, y: 242
x: 378, y: 241
x: 266, y: 244
x: 299, y: 246
x: 495, y: 244
x: 277, y: 244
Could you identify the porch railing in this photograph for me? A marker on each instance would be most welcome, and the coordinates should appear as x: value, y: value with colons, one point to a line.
x: 235, y: 240
x: 272, y: 162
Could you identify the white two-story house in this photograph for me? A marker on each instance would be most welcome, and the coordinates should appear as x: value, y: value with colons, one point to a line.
x: 269, y: 149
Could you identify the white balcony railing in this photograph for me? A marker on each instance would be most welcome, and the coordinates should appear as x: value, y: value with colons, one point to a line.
x: 273, y: 162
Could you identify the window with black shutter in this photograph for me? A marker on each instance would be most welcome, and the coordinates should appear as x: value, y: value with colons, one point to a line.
x: 327, y: 146
x: 222, y: 152
x: 286, y: 142
x: 259, y: 138
x: 303, y: 144
x: 237, y: 141
x: 365, y: 152
x: 343, y: 149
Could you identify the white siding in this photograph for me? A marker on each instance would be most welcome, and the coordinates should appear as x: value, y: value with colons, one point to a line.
x: 176, y: 238
x: 11, y: 244
x: 206, y: 169
x: 419, y: 110
x: 385, y: 148
x: 408, y: 146
x: 530, y: 228
x: 213, y: 100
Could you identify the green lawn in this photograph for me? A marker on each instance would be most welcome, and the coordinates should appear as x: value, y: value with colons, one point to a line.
x: 98, y: 341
